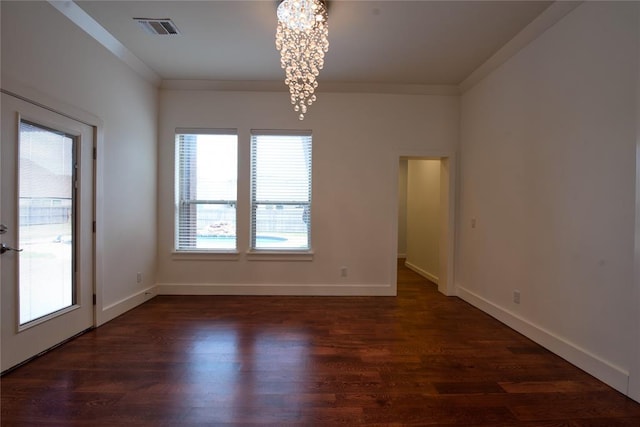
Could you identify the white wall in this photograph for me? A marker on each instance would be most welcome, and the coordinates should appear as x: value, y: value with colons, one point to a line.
x: 548, y: 171
x: 44, y: 51
x: 423, y: 218
x: 356, y: 140
x: 402, y: 207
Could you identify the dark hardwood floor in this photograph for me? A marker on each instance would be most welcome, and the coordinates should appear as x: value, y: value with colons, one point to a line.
x: 418, y: 359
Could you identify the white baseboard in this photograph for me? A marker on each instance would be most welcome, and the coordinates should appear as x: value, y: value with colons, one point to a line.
x: 422, y: 272
x: 114, y: 310
x: 271, y: 289
x: 605, y: 371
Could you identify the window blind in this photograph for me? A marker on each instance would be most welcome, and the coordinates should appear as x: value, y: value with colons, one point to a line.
x: 281, y: 190
x: 206, y: 189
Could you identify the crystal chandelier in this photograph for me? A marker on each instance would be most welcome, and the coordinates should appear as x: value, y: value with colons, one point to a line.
x: 301, y: 38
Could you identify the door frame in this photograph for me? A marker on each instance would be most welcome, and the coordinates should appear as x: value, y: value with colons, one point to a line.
x: 33, y: 96
x: 448, y: 173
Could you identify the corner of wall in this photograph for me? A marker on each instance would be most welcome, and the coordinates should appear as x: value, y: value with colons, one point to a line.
x: 118, y: 308
x: 606, y: 372
x: 554, y: 13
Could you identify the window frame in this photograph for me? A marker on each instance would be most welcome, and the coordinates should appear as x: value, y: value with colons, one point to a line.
x: 292, y: 254
x: 180, y: 203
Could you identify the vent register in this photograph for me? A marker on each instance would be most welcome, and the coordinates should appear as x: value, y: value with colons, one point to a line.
x: 161, y: 27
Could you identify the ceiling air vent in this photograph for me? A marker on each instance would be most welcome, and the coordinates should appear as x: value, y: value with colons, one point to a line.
x: 161, y: 27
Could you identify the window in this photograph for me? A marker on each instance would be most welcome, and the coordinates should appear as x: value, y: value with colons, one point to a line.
x: 280, y: 190
x: 206, y: 189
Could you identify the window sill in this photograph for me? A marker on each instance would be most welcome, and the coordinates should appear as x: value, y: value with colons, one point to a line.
x: 205, y: 255
x: 265, y: 255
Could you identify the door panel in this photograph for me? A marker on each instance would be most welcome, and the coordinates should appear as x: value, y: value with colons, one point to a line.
x: 46, y: 279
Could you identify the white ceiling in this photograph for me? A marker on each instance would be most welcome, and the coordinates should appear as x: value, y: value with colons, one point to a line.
x: 377, y: 42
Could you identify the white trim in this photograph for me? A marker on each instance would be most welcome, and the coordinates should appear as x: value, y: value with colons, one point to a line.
x: 26, y: 93
x: 224, y: 85
x: 205, y: 256
x: 549, y: 17
x: 447, y: 287
x: 325, y: 87
x: 207, y: 131
x: 84, y: 21
x: 267, y: 255
x: 423, y: 273
x: 403, y: 89
x: 114, y: 310
x: 609, y: 373
x: 281, y: 132
x: 51, y: 316
x: 20, y: 90
x: 272, y: 289
x: 634, y: 368
x: 98, y: 238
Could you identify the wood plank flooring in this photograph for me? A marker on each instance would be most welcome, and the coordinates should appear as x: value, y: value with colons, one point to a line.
x: 418, y: 359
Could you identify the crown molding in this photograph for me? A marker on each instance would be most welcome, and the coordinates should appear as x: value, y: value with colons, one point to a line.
x: 89, y: 25
x: 548, y: 18
x: 324, y: 87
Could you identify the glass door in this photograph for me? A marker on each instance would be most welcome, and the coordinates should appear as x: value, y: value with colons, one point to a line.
x: 47, y: 249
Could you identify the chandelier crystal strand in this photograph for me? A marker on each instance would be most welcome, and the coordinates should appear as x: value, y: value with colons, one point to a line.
x: 302, y: 39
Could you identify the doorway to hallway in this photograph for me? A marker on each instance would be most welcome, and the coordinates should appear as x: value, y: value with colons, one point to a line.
x: 425, y: 220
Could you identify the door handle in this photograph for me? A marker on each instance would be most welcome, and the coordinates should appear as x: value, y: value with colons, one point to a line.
x: 4, y: 248
x: 3, y: 228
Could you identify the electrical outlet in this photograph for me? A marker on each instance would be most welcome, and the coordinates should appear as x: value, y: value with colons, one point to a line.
x: 344, y: 271
x: 139, y: 277
x: 516, y: 296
